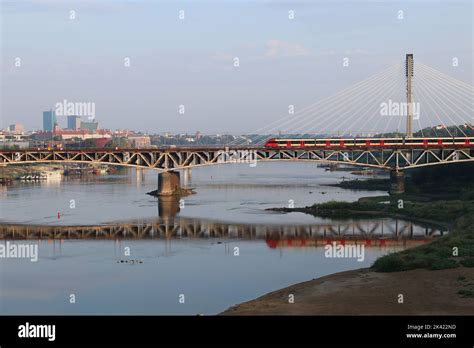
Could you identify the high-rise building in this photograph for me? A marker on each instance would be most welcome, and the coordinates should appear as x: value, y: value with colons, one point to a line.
x: 74, y: 122
x: 16, y: 128
x: 49, y: 120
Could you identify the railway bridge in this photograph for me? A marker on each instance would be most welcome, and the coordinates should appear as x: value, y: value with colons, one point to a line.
x: 170, y: 161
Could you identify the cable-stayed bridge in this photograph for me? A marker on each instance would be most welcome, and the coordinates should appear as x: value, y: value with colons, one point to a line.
x: 404, y: 117
x: 402, y: 100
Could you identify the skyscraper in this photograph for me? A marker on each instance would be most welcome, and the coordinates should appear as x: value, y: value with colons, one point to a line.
x: 74, y: 122
x: 49, y: 120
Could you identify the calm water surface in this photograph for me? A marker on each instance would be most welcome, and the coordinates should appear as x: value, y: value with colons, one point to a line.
x: 173, y: 261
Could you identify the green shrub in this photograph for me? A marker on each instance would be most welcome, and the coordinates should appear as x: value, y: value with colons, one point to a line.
x: 389, y: 263
x: 443, y: 264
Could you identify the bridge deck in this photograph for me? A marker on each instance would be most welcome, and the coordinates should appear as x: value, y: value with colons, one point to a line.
x: 172, y: 158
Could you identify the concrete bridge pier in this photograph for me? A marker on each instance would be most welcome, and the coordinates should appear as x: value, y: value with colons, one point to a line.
x: 169, y: 183
x: 397, y: 182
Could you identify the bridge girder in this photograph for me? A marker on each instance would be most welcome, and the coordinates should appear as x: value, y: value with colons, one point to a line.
x: 388, y: 159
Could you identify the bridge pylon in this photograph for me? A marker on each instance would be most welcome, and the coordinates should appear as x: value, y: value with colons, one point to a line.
x: 409, y: 76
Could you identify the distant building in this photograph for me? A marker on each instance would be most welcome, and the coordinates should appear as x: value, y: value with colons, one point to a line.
x: 82, y: 134
x: 13, y: 140
x: 92, y: 126
x: 16, y: 128
x: 140, y: 141
x: 11, y: 136
x: 15, y: 144
x: 198, y: 135
x: 123, y: 133
x: 49, y: 120
x: 73, y: 122
x: 101, y: 142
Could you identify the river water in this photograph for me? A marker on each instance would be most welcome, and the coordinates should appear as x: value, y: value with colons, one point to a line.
x: 133, y: 254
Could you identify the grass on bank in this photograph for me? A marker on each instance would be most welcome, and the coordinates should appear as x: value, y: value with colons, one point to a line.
x: 450, y: 251
x: 444, y: 212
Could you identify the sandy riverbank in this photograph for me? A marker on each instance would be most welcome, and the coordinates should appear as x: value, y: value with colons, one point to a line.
x: 365, y: 292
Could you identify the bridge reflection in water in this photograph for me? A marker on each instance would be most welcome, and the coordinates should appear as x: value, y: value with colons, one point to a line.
x: 372, y: 233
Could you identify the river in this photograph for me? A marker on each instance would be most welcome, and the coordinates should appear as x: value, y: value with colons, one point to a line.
x: 105, y: 247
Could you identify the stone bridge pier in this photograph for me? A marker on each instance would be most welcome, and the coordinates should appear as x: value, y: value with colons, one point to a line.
x: 169, y: 183
x: 397, y: 182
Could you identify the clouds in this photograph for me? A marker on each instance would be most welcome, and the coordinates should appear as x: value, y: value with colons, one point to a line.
x: 272, y: 49
x: 278, y: 48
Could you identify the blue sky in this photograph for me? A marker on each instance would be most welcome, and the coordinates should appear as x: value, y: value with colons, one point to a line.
x: 190, y: 61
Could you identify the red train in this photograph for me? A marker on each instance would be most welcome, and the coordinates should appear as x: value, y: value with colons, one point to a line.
x: 369, y: 142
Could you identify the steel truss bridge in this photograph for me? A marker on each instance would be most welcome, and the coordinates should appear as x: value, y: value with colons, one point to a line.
x: 398, y: 158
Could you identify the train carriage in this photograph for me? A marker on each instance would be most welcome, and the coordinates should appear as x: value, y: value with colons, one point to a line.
x: 368, y: 142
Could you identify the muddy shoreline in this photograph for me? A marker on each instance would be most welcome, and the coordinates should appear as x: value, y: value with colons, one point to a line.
x: 366, y: 292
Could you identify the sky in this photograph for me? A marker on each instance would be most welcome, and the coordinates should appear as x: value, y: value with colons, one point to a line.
x: 50, y: 54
